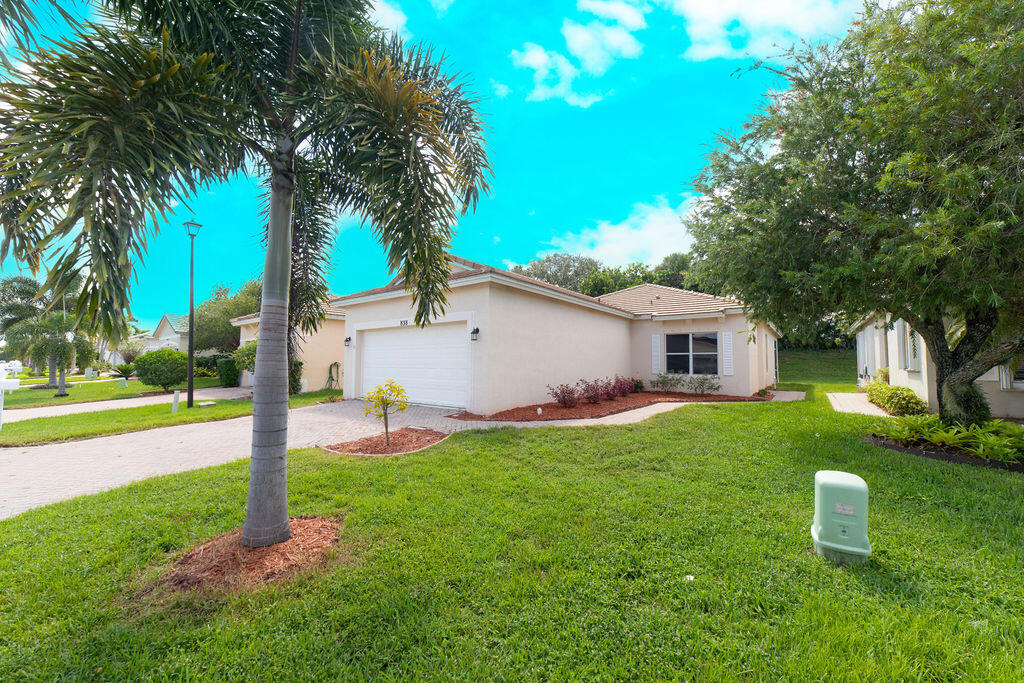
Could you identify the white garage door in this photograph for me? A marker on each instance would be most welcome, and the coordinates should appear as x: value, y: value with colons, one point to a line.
x: 431, y: 363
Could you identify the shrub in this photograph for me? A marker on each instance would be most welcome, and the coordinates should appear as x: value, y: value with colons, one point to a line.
x: 245, y: 356
x: 163, y: 368
x: 991, y: 440
x: 621, y: 386
x: 882, y: 375
x: 125, y: 370
x: 129, y: 351
x: 595, y: 390
x: 703, y: 384
x: 200, y: 371
x: 667, y: 381
x: 385, y: 399
x: 227, y: 371
x: 566, y: 395
x: 895, y: 400
x: 638, y: 384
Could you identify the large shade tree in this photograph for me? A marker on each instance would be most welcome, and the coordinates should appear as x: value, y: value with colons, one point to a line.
x: 886, y: 176
x: 105, y: 131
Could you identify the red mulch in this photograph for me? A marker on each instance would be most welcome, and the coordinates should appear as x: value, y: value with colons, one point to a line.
x: 553, y: 411
x: 224, y: 563
x: 402, y: 440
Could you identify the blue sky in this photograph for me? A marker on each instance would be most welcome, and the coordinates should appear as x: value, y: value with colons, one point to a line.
x: 599, y: 113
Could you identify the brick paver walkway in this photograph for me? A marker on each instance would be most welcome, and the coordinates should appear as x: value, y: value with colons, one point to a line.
x: 39, y: 475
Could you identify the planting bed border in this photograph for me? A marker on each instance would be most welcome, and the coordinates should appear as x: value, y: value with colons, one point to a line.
x: 946, y: 455
x: 552, y: 411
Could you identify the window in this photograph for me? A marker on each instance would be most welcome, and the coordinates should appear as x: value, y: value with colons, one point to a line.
x: 692, y: 354
x: 910, y: 347
x: 1018, y: 374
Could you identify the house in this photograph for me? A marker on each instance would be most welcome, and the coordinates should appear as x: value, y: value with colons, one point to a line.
x: 170, y: 333
x: 505, y: 337
x: 883, y: 342
x: 317, y: 351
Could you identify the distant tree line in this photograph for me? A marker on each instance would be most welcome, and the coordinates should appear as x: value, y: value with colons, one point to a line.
x: 589, y: 276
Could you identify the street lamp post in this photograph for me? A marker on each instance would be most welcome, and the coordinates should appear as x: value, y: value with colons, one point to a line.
x: 193, y: 229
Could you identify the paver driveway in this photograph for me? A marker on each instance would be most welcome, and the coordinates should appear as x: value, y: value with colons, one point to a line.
x: 39, y: 475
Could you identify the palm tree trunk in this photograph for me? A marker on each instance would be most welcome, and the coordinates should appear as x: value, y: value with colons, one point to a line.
x: 61, y: 385
x: 266, y: 515
x: 51, y: 364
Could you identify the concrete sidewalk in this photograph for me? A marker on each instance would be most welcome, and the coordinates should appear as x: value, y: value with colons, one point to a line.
x: 855, y: 403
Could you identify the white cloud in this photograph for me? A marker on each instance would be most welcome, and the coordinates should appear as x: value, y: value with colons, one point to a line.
x: 597, y: 44
x: 389, y: 16
x: 501, y: 90
x: 649, y: 234
x: 594, y: 45
x: 740, y: 28
x: 553, y: 76
x: 626, y: 15
x: 441, y: 6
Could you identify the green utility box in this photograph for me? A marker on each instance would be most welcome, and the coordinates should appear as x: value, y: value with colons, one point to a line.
x: 840, y: 528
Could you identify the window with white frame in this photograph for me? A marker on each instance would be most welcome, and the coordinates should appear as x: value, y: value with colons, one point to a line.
x: 692, y: 354
x: 1018, y: 373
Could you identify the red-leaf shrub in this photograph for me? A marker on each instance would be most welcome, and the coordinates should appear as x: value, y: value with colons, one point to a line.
x: 622, y: 386
x: 595, y: 390
x: 566, y: 395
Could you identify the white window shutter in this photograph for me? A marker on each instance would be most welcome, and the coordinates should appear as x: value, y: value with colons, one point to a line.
x: 655, y: 353
x: 1005, y: 378
x: 901, y: 345
x: 726, y: 353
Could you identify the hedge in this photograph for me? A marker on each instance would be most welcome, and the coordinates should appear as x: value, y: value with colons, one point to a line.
x: 227, y: 371
x: 895, y: 400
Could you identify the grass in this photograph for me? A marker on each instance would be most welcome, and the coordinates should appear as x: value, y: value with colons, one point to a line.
x: 548, y: 553
x: 42, y: 430
x: 28, y: 380
x: 89, y: 391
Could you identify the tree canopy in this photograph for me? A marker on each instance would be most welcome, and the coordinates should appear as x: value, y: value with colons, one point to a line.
x: 885, y: 176
x: 213, y: 317
x: 591, y: 277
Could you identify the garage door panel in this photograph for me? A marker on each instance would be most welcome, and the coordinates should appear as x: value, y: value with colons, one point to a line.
x: 431, y: 363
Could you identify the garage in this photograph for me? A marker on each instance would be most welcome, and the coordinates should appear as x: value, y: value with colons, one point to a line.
x: 431, y: 363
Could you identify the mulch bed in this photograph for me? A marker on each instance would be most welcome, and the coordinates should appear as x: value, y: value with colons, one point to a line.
x: 223, y: 563
x: 946, y: 455
x: 553, y: 411
x: 402, y: 441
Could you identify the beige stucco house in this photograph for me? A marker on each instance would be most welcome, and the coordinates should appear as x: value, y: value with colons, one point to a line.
x: 504, y: 337
x: 886, y: 343
x: 317, y: 351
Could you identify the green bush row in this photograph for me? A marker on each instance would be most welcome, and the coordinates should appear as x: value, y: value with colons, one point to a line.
x: 992, y: 440
x: 895, y: 400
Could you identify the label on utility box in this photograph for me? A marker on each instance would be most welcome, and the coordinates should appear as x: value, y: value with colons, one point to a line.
x: 844, y: 509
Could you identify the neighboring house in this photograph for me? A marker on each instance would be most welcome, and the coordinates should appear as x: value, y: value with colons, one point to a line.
x: 316, y: 351
x: 886, y: 343
x: 170, y: 333
x: 505, y: 337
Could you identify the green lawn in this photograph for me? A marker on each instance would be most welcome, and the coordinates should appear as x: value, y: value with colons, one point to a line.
x: 548, y: 553
x: 42, y: 430
x: 27, y: 380
x: 89, y: 391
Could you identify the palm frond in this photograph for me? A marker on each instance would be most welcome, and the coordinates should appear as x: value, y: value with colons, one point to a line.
x: 103, y: 137
x: 405, y: 151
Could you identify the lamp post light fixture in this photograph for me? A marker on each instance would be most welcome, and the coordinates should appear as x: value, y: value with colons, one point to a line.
x: 348, y: 341
x: 193, y: 229
x: 475, y: 334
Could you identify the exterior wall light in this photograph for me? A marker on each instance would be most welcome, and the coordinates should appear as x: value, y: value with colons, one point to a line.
x: 348, y: 341
x: 475, y: 334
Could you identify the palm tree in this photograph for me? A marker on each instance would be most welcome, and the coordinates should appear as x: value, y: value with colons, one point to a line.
x: 105, y: 131
x: 52, y: 337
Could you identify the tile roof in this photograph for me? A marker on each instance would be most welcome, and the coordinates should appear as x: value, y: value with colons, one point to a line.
x: 472, y: 268
x: 254, y: 317
x: 659, y: 300
x: 178, y: 323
